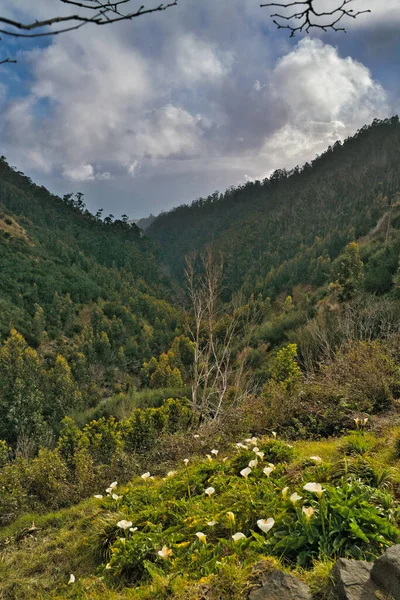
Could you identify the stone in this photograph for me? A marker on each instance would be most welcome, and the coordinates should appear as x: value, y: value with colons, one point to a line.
x: 280, y: 586
x: 352, y: 580
x: 386, y: 571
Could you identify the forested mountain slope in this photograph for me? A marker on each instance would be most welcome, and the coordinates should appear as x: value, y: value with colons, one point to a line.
x: 287, y: 229
x: 78, y: 288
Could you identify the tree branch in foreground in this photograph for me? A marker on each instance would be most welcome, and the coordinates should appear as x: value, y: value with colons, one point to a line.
x: 309, y: 18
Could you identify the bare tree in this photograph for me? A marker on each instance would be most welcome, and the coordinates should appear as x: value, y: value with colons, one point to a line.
x: 219, y: 379
x: 95, y: 12
x: 308, y: 17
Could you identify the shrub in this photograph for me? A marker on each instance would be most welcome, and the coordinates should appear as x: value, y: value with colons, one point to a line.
x: 358, y: 443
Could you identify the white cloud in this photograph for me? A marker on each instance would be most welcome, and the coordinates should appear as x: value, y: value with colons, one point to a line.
x: 84, y: 172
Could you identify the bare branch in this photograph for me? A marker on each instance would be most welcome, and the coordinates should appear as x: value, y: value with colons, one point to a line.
x: 7, y: 60
x: 310, y: 18
x: 104, y: 13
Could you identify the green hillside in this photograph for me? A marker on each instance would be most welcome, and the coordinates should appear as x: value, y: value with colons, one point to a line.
x: 289, y: 228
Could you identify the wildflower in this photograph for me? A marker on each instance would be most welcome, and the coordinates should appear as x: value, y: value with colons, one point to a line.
x: 365, y: 421
x: 202, y: 537
x: 317, y: 459
x: 209, y: 457
x: 109, y: 490
x: 71, y: 579
x: 357, y: 421
x: 113, y: 484
x: 256, y: 449
x: 124, y: 524
x: 260, y: 455
x: 308, y: 511
x: 115, y: 497
x: 268, y: 470
x: 295, y: 498
x: 145, y: 475
x: 253, y: 463
x: 284, y: 492
x: 98, y: 496
x: 209, y: 491
x: 165, y: 553
x: 240, y: 445
x: 274, y: 434
x: 171, y: 473
x: 314, y: 487
x: 132, y: 529
x: 248, y: 440
x: 238, y: 536
x: 211, y: 524
x: 253, y: 440
x: 265, y: 524
x: 186, y: 460
x: 230, y: 516
x: 245, y: 472
x: 215, y: 452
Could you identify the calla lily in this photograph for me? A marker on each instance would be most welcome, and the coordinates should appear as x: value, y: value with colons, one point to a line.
x: 245, y: 472
x: 230, y: 516
x: 145, y: 475
x: 108, y: 566
x: 253, y: 463
x: 115, y: 497
x: 124, y: 524
x: 132, y: 529
x: 186, y: 461
x: 71, y: 579
x: 238, y: 536
x: 98, y: 496
x: 317, y: 459
x: 171, y: 473
x: 240, y: 445
x: 316, y: 488
x: 196, y: 435
x: 365, y: 421
x: 113, y: 484
x: 211, y: 523
x: 254, y: 440
x: 295, y: 498
x: 209, y: 457
x: 274, y: 433
x: 357, y: 421
x: 265, y: 524
x: 165, y: 553
x: 109, y: 490
x: 209, y: 491
x: 308, y: 511
x: 215, y: 452
x: 202, y: 537
x: 268, y: 470
x: 260, y: 455
x: 248, y: 440
x: 256, y: 449
x: 285, y: 492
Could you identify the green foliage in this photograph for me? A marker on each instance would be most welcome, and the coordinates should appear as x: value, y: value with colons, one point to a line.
x: 358, y: 444
x: 351, y: 272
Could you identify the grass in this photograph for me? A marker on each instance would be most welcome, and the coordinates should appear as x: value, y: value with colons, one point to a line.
x: 38, y: 566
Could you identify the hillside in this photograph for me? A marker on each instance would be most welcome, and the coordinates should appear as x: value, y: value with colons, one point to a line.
x: 289, y: 228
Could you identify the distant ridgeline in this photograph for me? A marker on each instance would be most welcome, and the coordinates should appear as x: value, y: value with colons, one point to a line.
x: 287, y: 229
x: 76, y: 285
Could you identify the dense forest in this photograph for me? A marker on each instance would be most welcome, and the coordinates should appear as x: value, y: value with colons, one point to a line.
x: 199, y: 380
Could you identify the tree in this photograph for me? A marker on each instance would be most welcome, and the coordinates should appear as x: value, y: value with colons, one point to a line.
x: 106, y: 12
x: 351, y: 272
x: 309, y: 18
x: 95, y: 12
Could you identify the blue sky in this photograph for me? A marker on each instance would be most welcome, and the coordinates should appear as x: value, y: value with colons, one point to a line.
x: 146, y: 115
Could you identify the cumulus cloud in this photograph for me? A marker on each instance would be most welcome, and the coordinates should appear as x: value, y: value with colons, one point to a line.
x: 182, y: 103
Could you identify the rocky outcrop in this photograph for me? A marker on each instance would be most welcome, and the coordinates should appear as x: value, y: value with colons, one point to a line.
x: 352, y: 580
x: 386, y: 571
x: 276, y: 585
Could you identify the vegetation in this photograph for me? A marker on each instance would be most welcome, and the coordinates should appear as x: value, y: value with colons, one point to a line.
x: 249, y: 421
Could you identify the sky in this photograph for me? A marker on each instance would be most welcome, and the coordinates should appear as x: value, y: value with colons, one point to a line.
x: 146, y: 115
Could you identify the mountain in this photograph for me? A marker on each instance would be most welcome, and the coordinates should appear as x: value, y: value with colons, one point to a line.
x: 91, y: 290
x: 289, y: 228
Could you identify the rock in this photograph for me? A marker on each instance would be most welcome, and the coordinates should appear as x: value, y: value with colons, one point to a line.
x: 386, y: 571
x: 280, y: 586
x: 352, y: 580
